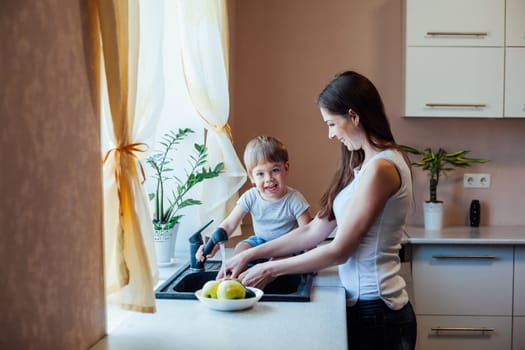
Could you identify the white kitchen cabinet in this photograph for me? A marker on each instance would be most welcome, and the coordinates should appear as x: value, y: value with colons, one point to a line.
x: 455, y: 22
x: 515, y: 23
x: 518, y: 333
x: 454, y: 81
x: 463, y: 280
x: 515, y: 59
x: 464, y: 332
x: 515, y: 82
x: 519, y: 282
x: 463, y: 296
x: 462, y: 58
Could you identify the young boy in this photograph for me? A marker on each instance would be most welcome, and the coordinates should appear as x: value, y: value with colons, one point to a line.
x: 276, y: 209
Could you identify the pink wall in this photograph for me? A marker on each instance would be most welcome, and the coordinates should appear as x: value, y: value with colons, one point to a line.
x: 284, y: 52
x: 51, y: 269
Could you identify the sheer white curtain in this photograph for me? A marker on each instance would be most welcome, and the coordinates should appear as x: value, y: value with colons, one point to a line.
x: 129, y: 42
x: 203, y: 30
x: 131, y: 96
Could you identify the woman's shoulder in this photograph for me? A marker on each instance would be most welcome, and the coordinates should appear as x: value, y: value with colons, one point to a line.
x: 389, y: 153
x: 381, y: 166
x: 391, y: 156
x: 386, y: 163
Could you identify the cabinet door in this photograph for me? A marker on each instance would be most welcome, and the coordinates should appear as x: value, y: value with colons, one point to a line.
x: 463, y: 279
x: 518, y: 337
x: 454, y: 82
x: 455, y: 22
x: 515, y: 23
x: 519, y: 283
x: 515, y: 81
x: 464, y: 332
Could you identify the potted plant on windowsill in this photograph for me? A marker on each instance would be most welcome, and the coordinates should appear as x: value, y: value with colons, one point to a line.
x: 166, y: 205
x: 438, y: 164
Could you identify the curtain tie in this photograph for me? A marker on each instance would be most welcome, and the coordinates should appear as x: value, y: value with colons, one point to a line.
x: 226, y: 127
x: 130, y: 149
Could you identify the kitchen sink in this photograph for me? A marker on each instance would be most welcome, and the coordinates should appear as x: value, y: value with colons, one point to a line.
x: 185, y: 282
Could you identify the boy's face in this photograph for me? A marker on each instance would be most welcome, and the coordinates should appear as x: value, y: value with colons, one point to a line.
x: 269, y: 179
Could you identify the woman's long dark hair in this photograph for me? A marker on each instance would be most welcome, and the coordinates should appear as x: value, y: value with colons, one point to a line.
x: 352, y: 91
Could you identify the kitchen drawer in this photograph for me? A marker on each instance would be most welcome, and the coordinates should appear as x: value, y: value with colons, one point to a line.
x: 519, y: 283
x: 462, y: 279
x: 464, y: 332
x: 518, y: 333
x: 454, y: 82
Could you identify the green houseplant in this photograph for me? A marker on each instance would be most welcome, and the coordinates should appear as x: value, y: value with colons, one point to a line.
x: 438, y: 164
x: 167, y: 203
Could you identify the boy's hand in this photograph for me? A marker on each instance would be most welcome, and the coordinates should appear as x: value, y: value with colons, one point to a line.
x: 199, y: 255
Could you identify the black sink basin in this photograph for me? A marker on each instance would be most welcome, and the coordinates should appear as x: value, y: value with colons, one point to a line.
x: 185, y: 282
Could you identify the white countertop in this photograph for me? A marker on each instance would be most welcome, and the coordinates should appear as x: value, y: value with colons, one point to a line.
x: 468, y: 235
x: 187, y: 324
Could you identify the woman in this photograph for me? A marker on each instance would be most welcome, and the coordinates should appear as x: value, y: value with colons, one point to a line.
x: 367, y: 201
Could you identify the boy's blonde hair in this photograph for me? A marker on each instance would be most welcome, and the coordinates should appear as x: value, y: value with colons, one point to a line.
x: 264, y: 149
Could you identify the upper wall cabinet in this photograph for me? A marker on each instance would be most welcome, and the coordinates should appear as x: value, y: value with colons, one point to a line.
x: 515, y: 23
x: 456, y: 59
x: 515, y: 59
x: 455, y: 22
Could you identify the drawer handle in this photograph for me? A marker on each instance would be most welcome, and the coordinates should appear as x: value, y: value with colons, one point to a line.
x: 473, y: 257
x: 483, y: 330
x: 457, y: 105
x: 476, y: 34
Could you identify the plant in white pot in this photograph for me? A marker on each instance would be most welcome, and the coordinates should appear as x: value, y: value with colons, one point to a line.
x: 438, y: 164
x: 166, y: 202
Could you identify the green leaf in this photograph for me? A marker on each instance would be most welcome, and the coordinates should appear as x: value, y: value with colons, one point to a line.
x: 164, y: 164
x: 435, y: 163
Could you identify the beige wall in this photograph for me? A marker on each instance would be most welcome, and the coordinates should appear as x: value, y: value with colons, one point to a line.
x: 51, y: 268
x: 285, y: 51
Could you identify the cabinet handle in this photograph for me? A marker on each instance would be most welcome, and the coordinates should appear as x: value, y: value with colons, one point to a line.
x: 457, y: 105
x: 483, y: 330
x: 476, y: 34
x: 473, y: 257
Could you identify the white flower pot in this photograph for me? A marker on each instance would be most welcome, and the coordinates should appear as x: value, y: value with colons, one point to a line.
x: 433, y: 215
x: 165, y: 245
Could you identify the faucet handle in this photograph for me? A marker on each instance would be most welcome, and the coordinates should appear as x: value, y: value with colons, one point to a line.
x: 218, y: 236
x: 197, y: 237
x: 195, y: 242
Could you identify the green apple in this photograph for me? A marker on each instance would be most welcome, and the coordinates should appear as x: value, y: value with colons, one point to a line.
x: 231, y: 289
x: 249, y: 293
x: 209, y: 290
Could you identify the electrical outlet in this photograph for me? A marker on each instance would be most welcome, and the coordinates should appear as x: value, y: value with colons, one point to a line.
x: 476, y: 180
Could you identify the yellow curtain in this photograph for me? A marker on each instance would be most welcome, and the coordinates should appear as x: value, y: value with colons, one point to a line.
x: 130, y: 267
x: 203, y: 29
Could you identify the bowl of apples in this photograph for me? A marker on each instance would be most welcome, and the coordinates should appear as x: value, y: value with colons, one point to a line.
x: 228, y: 295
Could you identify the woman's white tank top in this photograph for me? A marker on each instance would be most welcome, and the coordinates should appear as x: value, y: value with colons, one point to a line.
x: 372, y: 272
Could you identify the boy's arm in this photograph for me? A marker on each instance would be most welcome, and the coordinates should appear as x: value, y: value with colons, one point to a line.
x: 299, y: 203
x: 232, y: 221
x: 304, y: 218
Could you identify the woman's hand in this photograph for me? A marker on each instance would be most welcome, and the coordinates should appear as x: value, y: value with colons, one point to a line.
x: 233, y: 266
x: 257, y: 276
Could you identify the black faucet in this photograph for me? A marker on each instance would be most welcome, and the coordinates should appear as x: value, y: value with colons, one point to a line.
x: 218, y: 236
x: 195, y: 242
